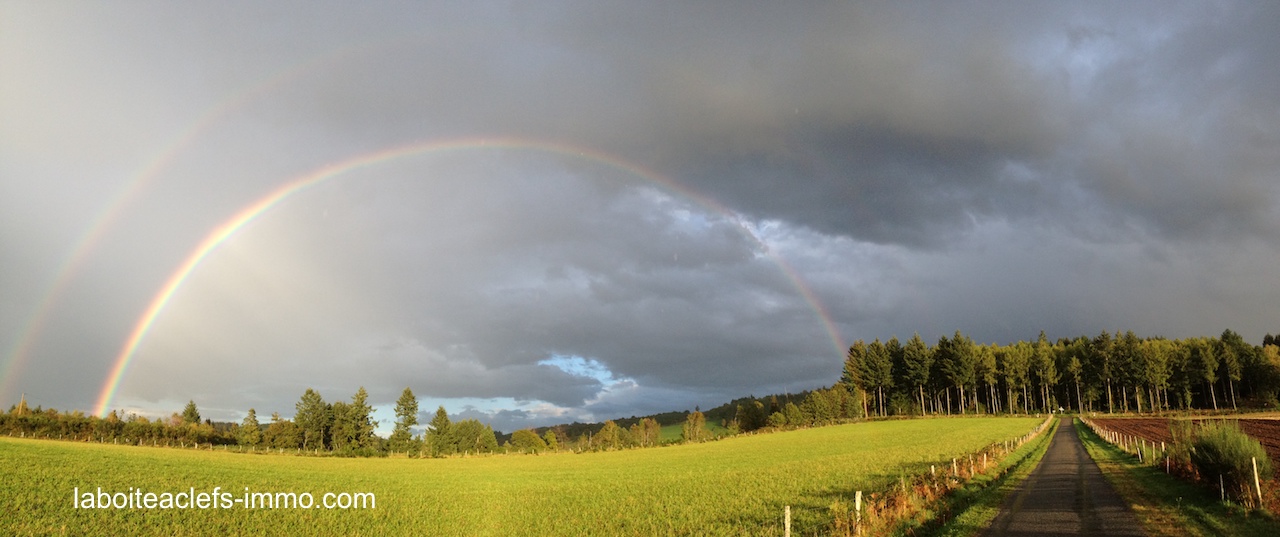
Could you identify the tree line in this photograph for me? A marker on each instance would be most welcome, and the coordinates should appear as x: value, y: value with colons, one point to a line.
x: 339, y: 428
x: 179, y: 429
x: 1105, y: 373
x: 348, y: 429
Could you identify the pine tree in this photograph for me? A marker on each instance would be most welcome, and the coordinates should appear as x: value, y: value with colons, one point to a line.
x: 313, y: 419
x: 250, y: 430
x: 1205, y: 364
x: 406, y: 418
x: 918, y: 361
x: 1103, y: 346
x: 362, y: 425
x: 190, y: 415
x: 1074, y: 368
x: 857, y: 371
x: 440, y: 434
x: 878, y: 372
x: 342, y: 433
x: 1046, y: 369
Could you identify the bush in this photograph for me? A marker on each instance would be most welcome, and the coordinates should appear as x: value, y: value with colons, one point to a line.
x: 527, y: 441
x: 1183, y: 433
x: 1220, y: 448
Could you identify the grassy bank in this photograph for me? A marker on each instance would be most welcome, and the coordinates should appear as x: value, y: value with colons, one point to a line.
x: 971, y: 509
x: 1165, y: 505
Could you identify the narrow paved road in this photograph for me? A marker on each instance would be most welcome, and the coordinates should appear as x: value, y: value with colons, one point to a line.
x: 1065, y: 495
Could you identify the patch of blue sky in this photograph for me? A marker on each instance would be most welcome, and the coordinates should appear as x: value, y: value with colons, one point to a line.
x: 580, y: 367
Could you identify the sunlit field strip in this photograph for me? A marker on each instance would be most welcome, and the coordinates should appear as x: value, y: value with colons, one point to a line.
x: 733, y: 486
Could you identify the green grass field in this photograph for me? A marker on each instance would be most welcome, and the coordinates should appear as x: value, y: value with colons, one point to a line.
x: 733, y: 486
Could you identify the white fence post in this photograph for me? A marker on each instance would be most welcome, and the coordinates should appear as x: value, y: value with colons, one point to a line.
x: 857, y: 508
x: 1256, y: 485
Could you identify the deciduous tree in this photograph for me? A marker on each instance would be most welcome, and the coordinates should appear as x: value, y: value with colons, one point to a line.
x: 527, y: 441
x: 695, y: 428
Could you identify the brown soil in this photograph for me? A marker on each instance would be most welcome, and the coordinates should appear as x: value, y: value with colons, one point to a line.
x: 1267, y: 431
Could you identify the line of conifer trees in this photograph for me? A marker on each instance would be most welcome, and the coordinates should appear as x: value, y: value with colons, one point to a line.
x: 1105, y: 373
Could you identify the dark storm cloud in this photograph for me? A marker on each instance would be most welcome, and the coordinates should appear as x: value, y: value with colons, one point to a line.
x: 1184, y: 127
x: 998, y: 168
x: 884, y: 124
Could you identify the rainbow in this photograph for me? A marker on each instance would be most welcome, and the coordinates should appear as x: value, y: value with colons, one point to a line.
x: 246, y: 215
x: 17, y: 354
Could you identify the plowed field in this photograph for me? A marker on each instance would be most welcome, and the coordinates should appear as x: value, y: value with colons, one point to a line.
x: 1157, y: 429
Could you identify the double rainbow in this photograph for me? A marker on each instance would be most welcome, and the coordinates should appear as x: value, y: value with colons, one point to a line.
x: 246, y: 215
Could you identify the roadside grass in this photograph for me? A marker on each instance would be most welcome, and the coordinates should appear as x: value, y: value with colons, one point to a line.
x: 1166, y: 505
x: 734, y: 486
x: 971, y: 509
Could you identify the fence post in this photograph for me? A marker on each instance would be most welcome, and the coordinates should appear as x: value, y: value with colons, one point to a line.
x: 857, y: 509
x: 1257, y: 486
x: 786, y: 521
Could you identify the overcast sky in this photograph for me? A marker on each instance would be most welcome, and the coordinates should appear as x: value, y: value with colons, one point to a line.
x: 673, y: 201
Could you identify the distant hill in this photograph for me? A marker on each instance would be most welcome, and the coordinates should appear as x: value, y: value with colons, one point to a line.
x: 718, y: 418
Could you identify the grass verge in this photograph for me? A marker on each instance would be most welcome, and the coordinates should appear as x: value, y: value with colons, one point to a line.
x: 1165, y: 505
x: 976, y: 504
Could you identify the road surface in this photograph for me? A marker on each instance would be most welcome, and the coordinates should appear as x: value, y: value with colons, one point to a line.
x: 1065, y: 495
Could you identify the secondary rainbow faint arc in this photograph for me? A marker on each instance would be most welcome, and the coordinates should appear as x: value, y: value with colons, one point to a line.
x: 15, y: 358
x: 225, y: 230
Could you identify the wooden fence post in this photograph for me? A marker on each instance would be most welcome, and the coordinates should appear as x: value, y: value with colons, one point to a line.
x: 857, y: 509
x: 786, y: 521
x: 1256, y: 485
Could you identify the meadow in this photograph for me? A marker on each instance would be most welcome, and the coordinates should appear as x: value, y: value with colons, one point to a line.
x: 733, y: 486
